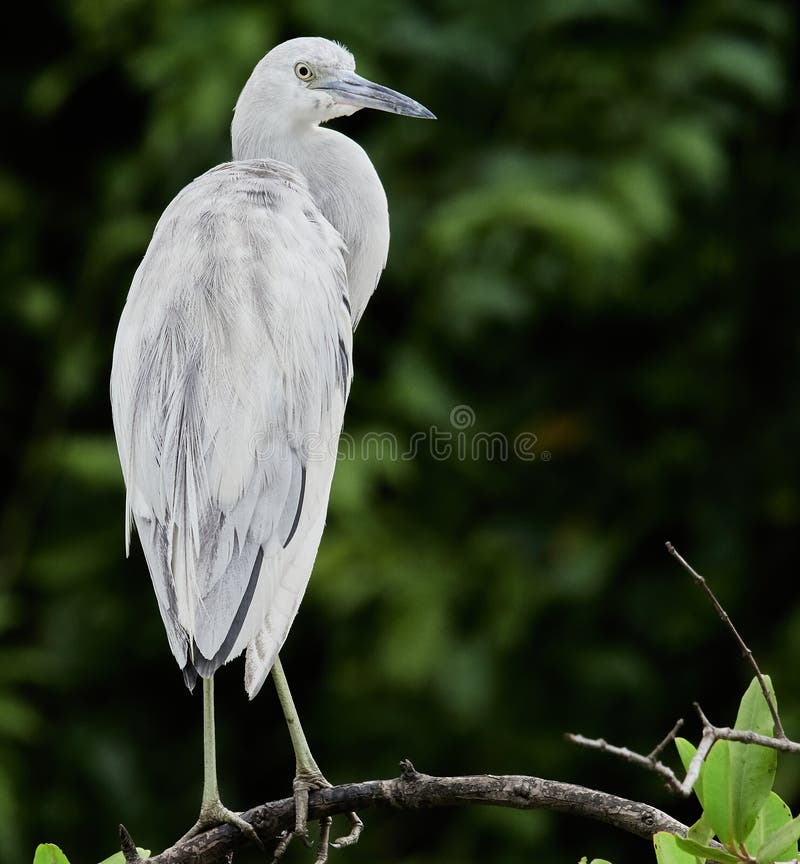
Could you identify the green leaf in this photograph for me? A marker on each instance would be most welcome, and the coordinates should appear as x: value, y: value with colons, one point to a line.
x: 668, y: 851
x: 49, y: 853
x: 737, y: 778
x: 701, y: 851
x: 718, y: 805
x: 773, y: 816
x: 701, y: 831
x: 686, y: 751
x: 754, y: 713
x: 119, y: 858
x: 782, y: 846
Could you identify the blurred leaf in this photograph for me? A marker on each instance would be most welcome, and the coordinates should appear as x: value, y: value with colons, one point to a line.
x: 92, y: 460
x: 119, y: 240
x: 691, y: 147
x: 17, y: 718
x: 11, y: 813
x: 481, y: 295
x: 19, y: 664
x: 564, y: 12
x: 740, y: 63
x: 583, y: 221
x: 38, y: 305
x: 643, y: 192
x: 73, y: 372
x: 12, y: 196
x: 49, y: 90
x: 48, y: 853
x: 73, y: 561
x: 417, y: 389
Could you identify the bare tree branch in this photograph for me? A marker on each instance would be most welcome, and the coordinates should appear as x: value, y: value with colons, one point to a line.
x: 711, y: 734
x: 416, y: 791
x: 745, y: 736
x: 651, y: 762
x: 665, y: 741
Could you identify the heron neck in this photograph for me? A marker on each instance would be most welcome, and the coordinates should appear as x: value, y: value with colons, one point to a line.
x: 345, y: 186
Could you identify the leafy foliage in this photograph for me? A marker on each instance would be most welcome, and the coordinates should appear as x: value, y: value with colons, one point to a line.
x: 594, y: 245
x: 739, y: 807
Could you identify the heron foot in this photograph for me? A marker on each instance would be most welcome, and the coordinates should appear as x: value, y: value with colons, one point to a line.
x: 214, y: 813
x: 305, y: 782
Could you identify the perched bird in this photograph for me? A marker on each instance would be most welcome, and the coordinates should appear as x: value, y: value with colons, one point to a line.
x: 231, y: 370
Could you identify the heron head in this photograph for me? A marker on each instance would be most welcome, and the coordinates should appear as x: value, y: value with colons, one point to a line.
x: 313, y: 80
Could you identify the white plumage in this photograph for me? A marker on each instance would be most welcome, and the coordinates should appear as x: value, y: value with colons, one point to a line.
x: 230, y: 376
x: 231, y: 371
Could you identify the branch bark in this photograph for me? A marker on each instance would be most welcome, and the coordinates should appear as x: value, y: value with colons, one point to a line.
x: 416, y: 791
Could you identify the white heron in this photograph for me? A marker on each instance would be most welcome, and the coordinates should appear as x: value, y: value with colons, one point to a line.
x: 231, y: 370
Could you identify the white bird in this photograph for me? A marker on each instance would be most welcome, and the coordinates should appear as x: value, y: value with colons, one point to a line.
x: 232, y: 367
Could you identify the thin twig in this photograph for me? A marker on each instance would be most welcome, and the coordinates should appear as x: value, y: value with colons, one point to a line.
x: 682, y: 787
x: 665, y: 741
x: 628, y: 755
x: 699, y: 580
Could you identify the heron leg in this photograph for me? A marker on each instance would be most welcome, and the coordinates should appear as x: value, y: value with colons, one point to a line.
x: 212, y: 811
x: 307, y: 778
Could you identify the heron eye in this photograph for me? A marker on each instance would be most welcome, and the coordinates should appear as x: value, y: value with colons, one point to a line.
x: 303, y: 71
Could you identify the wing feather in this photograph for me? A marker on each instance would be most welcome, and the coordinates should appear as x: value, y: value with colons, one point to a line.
x: 232, y: 354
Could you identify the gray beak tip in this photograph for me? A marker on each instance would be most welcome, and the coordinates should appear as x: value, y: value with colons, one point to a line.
x: 416, y: 110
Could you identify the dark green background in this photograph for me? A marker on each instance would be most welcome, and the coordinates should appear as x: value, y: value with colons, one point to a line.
x: 597, y: 243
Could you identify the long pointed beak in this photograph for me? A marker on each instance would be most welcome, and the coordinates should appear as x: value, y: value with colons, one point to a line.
x: 351, y: 89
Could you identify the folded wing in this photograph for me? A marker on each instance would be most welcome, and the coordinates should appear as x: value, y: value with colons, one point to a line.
x: 231, y: 372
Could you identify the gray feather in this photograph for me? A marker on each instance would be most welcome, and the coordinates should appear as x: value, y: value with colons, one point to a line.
x: 227, y: 356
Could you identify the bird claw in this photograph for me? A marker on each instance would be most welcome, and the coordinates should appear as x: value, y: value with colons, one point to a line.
x: 286, y: 838
x: 214, y: 814
x: 305, y: 782
x: 355, y: 832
